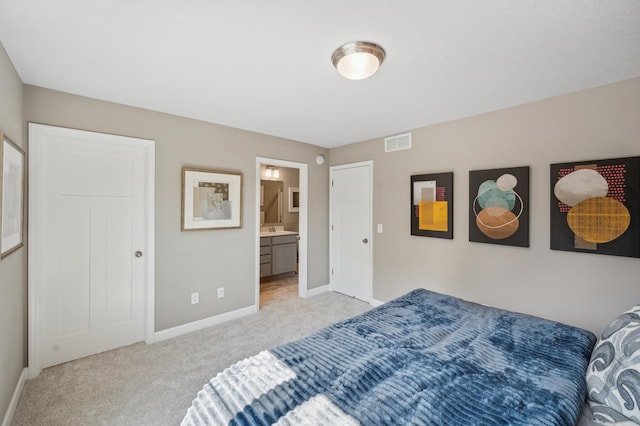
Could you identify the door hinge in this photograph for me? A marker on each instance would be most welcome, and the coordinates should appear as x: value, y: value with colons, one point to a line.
x: 332, y: 183
x: 332, y: 227
x: 331, y: 271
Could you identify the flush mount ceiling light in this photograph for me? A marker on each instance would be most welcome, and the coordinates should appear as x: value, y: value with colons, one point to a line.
x: 358, y: 59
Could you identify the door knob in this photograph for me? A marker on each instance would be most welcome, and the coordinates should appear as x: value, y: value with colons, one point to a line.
x: 138, y: 253
x: 365, y: 241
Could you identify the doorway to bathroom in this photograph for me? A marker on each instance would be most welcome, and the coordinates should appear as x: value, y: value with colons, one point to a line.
x: 281, y: 230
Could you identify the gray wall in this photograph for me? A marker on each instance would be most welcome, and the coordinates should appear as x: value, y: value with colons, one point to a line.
x: 199, y: 261
x: 582, y: 289
x: 13, y: 268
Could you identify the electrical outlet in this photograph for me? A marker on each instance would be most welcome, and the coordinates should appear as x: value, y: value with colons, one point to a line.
x: 220, y: 292
x: 195, y: 298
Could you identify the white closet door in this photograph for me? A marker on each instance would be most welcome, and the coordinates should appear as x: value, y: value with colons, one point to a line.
x: 92, y: 294
x: 351, y: 230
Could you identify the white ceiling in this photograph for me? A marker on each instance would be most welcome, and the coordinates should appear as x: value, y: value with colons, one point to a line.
x: 265, y: 65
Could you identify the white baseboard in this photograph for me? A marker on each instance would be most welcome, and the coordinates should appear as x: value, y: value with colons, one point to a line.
x: 204, y: 323
x: 318, y: 290
x: 8, y: 416
x: 375, y: 302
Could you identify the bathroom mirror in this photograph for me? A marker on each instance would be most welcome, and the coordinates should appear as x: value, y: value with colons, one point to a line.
x: 271, y: 199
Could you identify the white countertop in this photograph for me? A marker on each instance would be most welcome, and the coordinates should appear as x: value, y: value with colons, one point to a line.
x: 277, y: 233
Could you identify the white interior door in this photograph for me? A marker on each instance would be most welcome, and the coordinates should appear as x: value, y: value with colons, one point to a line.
x: 351, y: 230
x: 91, y: 287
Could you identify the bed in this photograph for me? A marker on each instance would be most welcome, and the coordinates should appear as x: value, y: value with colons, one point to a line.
x: 424, y: 358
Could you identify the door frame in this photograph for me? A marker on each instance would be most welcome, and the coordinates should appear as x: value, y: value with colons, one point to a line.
x: 303, y: 182
x: 332, y: 171
x: 37, y: 139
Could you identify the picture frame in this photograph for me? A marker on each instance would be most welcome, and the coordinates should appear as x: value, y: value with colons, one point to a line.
x: 211, y: 199
x: 294, y: 200
x: 12, y: 189
x: 595, y: 206
x: 499, y: 206
x: 432, y: 205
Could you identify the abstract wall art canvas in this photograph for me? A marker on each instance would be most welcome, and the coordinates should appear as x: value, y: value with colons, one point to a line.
x: 12, y: 189
x: 432, y: 205
x: 595, y: 206
x: 499, y: 206
x: 211, y: 199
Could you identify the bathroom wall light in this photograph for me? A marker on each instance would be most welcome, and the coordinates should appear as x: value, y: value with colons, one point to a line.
x: 357, y: 60
x: 272, y: 172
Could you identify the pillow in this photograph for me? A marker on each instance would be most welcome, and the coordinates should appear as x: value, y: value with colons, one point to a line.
x: 613, y: 376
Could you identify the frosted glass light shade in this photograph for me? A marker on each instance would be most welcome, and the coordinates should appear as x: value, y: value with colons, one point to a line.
x: 358, y: 66
x: 358, y: 60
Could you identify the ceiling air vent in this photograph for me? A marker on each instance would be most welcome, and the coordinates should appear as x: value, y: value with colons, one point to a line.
x: 398, y: 142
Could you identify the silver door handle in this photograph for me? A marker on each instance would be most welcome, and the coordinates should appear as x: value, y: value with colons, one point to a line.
x: 365, y: 241
x: 138, y: 254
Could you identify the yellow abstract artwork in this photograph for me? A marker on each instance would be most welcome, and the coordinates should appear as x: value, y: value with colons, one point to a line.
x: 432, y: 205
x: 599, y: 219
x: 433, y: 216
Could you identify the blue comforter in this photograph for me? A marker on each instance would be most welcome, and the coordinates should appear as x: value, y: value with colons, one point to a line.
x: 422, y: 359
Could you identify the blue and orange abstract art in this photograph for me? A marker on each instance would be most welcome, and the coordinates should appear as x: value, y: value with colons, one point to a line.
x: 499, y: 206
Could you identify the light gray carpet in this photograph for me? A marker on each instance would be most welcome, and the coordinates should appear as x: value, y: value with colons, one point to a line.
x: 154, y: 384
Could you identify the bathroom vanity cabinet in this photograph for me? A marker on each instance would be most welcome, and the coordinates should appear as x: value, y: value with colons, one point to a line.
x: 278, y: 254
